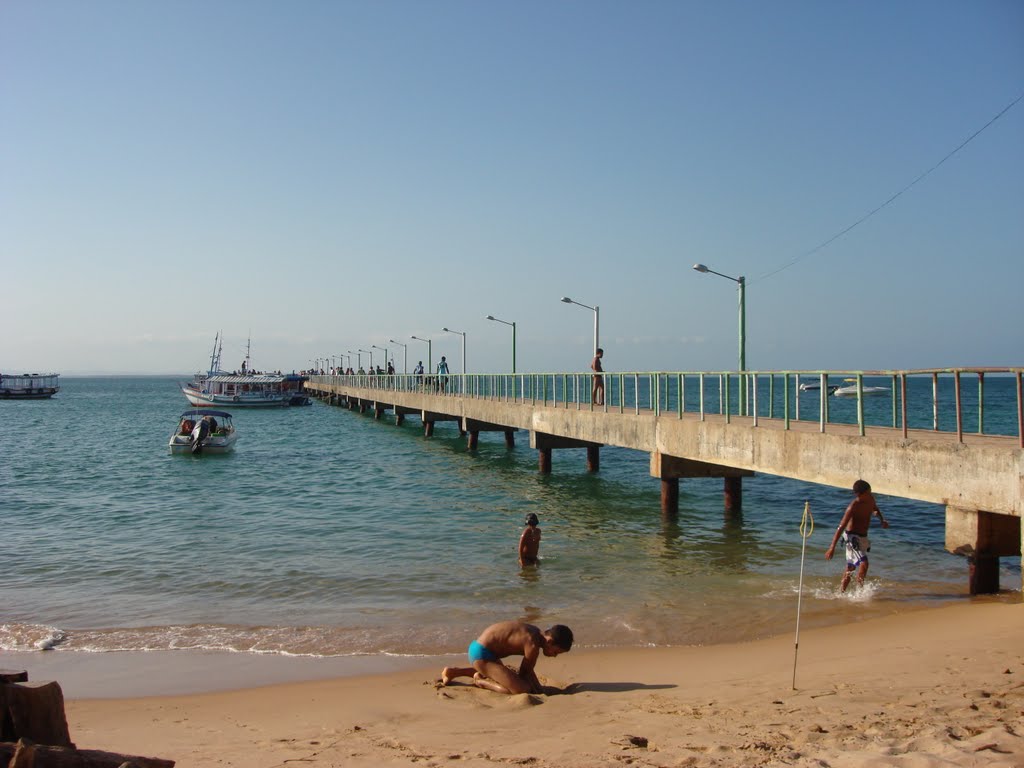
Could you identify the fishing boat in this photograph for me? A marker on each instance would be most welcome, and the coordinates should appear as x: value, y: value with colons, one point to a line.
x: 242, y: 389
x: 202, y: 430
x: 29, y: 386
x: 850, y: 390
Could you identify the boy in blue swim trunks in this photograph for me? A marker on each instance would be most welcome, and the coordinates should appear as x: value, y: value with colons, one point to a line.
x: 510, y: 638
x: 853, y: 529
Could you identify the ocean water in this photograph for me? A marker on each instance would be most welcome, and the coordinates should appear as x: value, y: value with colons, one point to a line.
x: 328, y: 533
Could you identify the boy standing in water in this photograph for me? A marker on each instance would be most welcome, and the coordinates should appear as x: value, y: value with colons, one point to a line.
x: 529, y: 542
x: 853, y: 528
x: 510, y: 638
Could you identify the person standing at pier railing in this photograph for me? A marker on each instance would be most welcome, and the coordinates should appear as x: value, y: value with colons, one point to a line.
x: 853, y: 529
x: 442, y: 373
x: 597, y: 386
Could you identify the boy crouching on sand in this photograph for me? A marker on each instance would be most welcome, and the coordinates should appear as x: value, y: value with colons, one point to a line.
x: 510, y: 638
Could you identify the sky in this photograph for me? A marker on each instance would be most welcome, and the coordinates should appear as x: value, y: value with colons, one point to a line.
x: 317, y: 177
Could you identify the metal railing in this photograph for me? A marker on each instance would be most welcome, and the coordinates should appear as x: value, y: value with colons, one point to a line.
x: 935, y: 399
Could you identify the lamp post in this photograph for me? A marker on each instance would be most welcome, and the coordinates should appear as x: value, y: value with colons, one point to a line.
x: 512, y: 323
x: 350, y: 353
x: 597, y: 319
x: 405, y: 354
x: 371, y: 357
x: 430, y: 359
x: 463, y: 335
x: 741, y: 283
x: 385, y: 351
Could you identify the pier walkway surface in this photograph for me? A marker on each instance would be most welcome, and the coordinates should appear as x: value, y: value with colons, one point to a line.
x: 953, y: 437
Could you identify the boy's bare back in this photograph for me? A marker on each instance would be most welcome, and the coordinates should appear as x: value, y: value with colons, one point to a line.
x: 512, y: 638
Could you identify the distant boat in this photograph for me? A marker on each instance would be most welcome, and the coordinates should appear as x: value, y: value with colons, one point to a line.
x: 850, y: 390
x: 29, y: 386
x: 815, y: 386
x: 244, y: 389
x: 203, y: 431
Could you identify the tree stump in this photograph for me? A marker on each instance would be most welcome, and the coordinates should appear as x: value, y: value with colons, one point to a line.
x: 34, y: 711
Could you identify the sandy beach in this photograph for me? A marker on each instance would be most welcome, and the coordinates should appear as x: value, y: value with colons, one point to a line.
x: 927, y: 688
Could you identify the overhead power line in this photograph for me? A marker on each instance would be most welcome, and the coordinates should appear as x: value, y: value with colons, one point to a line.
x: 871, y: 213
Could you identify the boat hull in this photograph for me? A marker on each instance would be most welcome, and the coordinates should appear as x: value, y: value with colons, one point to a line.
x: 867, y: 391
x: 182, y: 444
x: 202, y: 399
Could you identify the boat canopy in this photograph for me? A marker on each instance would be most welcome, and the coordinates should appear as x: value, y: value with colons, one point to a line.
x: 206, y: 412
x: 237, y: 378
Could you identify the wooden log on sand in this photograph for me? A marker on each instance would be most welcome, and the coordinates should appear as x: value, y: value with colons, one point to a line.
x: 29, y: 755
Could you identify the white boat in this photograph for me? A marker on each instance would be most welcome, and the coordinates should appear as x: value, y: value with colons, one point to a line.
x: 243, y: 389
x: 850, y: 390
x: 29, y: 386
x: 815, y: 386
x: 202, y: 430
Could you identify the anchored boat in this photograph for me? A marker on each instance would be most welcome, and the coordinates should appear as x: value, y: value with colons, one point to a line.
x: 850, y: 390
x: 29, y: 386
x: 202, y: 430
x: 245, y: 388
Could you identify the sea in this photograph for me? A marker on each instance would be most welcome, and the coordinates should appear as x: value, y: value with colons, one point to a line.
x: 329, y: 533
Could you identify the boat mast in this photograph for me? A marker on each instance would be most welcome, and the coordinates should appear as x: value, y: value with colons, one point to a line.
x: 213, y: 353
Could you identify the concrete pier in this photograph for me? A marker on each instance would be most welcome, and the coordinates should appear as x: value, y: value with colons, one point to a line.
x: 977, y: 478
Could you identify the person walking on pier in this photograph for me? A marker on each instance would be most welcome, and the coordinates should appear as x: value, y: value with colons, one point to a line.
x: 853, y: 529
x: 529, y: 542
x: 597, y: 387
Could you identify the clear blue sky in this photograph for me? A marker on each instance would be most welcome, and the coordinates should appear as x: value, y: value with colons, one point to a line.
x: 329, y: 175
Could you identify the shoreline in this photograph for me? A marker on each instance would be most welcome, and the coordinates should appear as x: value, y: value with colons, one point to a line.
x: 925, y: 688
x: 189, y: 672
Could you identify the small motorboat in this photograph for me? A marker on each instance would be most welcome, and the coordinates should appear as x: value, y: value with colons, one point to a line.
x: 850, y: 390
x: 815, y: 386
x: 202, y: 430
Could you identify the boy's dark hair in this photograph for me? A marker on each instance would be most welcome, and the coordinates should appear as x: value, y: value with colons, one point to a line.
x: 561, y: 636
x: 531, y: 519
x: 862, y: 486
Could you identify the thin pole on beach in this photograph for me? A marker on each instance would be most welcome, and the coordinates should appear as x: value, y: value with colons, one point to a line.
x: 806, y: 529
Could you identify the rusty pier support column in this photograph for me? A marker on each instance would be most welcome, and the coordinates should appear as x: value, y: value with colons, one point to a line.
x: 544, y: 456
x: 593, y: 458
x: 474, y: 441
x: 982, y: 537
x: 510, y: 438
x: 428, y: 429
x: 670, y: 496
x: 733, y: 495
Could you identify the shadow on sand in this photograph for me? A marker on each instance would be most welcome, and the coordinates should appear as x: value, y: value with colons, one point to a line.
x: 612, y: 687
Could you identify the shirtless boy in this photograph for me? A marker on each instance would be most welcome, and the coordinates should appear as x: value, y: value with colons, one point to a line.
x: 853, y: 529
x: 529, y: 542
x: 510, y: 638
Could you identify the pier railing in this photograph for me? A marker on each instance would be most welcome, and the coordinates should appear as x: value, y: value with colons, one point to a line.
x: 984, y: 401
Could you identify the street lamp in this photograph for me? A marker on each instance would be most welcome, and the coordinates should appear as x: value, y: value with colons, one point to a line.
x: 506, y: 322
x: 463, y: 335
x: 384, y: 350
x: 597, y: 319
x: 430, y: 360
x: 405, y: 354
x: 371, y: 357
x: 741, y: 282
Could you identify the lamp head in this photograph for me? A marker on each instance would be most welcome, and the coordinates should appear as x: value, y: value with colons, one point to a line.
x: 700, y: 267
x: 445, y: 330
x: 567, y: 300
x: 490, y: 317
